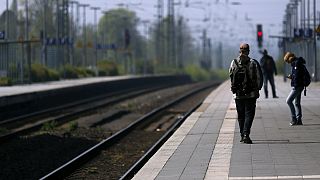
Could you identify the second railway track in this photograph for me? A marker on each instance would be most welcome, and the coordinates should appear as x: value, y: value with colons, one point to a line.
x: 116, y: 152
x: 34, y: 121
x: 69, y: 144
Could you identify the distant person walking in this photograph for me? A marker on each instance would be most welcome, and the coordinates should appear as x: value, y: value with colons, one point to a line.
x: 246, y: 81
x: 269, y: 69
x: 300, y: 78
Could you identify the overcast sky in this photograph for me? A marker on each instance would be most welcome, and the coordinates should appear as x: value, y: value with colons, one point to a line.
x: 259, y: 11
x: 227, y: 20
x: 224, y: 17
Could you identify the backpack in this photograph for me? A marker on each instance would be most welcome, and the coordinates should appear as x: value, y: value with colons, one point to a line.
x: 241, y: 83
x: 240, y: 80
x: 306, y: 79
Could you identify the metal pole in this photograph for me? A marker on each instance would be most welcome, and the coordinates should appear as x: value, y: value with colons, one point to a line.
x: 96, y: 38
x: 171, y: 34
x: 7, y: 37
x: 71, y: 35
x: 161, y: 40
x: 66, y: 29
x: 44, y: 35
x: 7, y: 20
x: 57, y: 56
x: 85, y: 34
x: 180, y: 43
x: 74, y: 28
x: 146, y: 55
x: 308, y: 27
x: 77, y: 30
x: 303, y: 20
x: 315, y: 41
x: 28, y: 43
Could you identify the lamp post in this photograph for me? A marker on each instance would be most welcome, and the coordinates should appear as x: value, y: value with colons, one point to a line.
x: 96, y: 38
x: 315, y: 41
x: 7, y: 20
x: 27, y: 38
x: 73, y: 29
x: 85, y: 63
x: 146, y: 29
x: 44, y: 34
x: 7, y: 36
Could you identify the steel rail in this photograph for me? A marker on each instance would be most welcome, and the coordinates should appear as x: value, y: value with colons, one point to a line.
x: 69, y: 167
x: 68, y: 105
x: 144, y: 159
x: 63, y: 118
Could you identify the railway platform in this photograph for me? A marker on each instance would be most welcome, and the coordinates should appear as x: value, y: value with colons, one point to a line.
x: 206, y: 146
x: 25, y: 99
x: 53, y: 85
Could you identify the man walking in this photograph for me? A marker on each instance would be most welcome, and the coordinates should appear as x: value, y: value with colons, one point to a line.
x: 246, y: 81
x: 268, y: 69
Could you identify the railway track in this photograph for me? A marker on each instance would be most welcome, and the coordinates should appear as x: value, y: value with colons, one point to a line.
x: 42, y: 151
x: 61, y: 114
x: 148, y: 122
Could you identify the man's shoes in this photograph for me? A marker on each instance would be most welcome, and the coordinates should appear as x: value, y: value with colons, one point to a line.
x: 242, y: 137
x: 299, y: 122
x: 247, y: 140
x: 275, y: 97
x: 293, y: 122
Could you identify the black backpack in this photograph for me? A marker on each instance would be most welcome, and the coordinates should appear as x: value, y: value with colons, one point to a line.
x: 240, y: 80
x: 306, y: 79
x: 241, y: 83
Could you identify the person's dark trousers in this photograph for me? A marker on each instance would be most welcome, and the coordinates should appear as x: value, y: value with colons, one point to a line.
x: 246, y: 109
x: 269, y: 77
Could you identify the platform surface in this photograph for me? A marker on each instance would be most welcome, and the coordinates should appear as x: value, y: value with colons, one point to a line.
x: 207, y: 146
x: 45, y: 86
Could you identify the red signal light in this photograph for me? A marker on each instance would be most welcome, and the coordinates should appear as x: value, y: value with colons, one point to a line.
x: 260, y: 33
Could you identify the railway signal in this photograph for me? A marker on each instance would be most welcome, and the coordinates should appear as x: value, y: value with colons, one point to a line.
x: 259, y: 35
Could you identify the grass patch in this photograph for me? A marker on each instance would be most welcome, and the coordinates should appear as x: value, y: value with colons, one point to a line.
x: 49, y: 126
x: 73, y: 126
x: 3, y: 130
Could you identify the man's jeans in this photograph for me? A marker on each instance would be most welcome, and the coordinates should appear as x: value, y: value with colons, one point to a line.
x: 295, y: 109
x: 246, y: 109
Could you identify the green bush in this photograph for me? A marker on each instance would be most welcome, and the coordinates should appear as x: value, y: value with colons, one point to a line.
x: 143, y: 66
x: 167, y: 70
x: 107, y: 68
x: 4, y: 81
x: 53, y: 75
x: 81, y: 72
x: 197, y: 73
x: 219, y: 74
x: 69, y: 72
x: 90, y: 73
x: 40, y: 73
